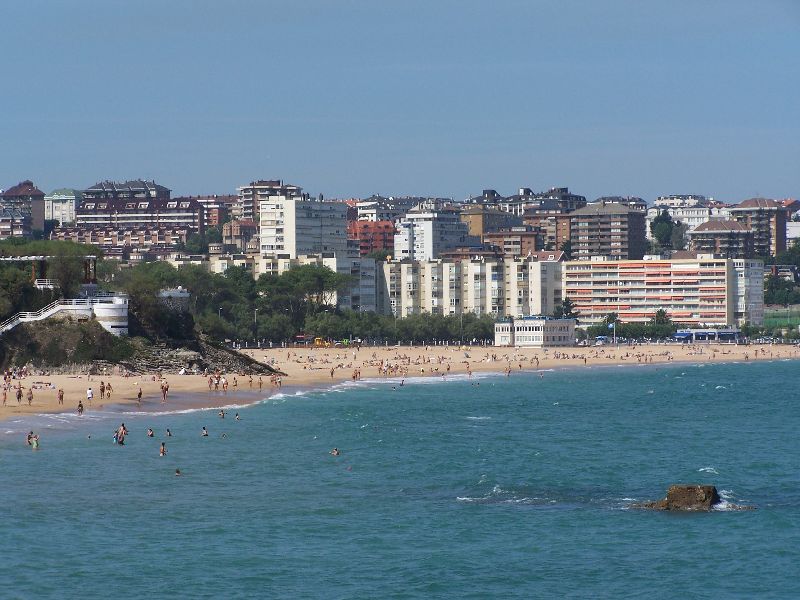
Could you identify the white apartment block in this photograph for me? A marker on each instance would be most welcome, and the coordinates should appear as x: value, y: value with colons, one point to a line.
x: 59, y: 205
x: 703, y: 291
x: 297, y: 226
x: 250, y: 197
x: 424, y: 234
x: 514, y: 288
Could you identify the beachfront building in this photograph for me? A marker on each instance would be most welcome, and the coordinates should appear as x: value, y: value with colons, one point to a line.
x: 26, y: 198
x: 767, y: 219
x: 701, y: 291
x: 535, y: 332
x: 60, y: 205
x: 297, y: 225
x: 250, y: 197
x: 513, y: 287
x: 423, y: 233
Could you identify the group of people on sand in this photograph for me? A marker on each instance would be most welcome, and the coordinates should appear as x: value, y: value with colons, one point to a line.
x: 19, y: 394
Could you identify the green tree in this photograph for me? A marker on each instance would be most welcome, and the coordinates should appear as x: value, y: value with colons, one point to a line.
x: 566, y: 310
x: 661, y: 228
x: 566, y: 248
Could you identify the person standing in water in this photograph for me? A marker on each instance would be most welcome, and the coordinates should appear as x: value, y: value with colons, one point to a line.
x: 163, y: 450
x: 80, y: 408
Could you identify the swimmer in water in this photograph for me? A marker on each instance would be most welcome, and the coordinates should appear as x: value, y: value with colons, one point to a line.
x: 169, y: 433
x: 163, y: 450
x: 150, y: 432
x: 237, y: 416
x: 204, y: 433
x: 177, y: 472
x: 335, y: 452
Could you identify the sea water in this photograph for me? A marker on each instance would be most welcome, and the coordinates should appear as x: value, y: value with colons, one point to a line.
x: 465, y: 488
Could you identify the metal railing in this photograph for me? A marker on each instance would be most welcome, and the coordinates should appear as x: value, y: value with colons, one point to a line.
x: 53, y: 308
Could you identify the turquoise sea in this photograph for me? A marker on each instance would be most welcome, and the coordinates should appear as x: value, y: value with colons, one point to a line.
x: 516, y: 487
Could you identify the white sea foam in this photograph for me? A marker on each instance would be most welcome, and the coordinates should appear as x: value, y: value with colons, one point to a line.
x: 720, y: 387
x: 478, y: 418
x: 708, y: 470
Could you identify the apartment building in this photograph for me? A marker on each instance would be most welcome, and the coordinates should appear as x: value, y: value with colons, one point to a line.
x: 134, y: 189
x: 702, y: 291
x: 682, y: 201
x: 250, y: 197
x: 297, y: 225
x: 238, y: 233
x: 767, y: 219
x: 26, y: 198
x: 516, y: 241
x: 123, y: 240
x: 215, y: 207
x: 14, y: 223
x: 691, y: 216
x: 611, y: 230
x: 511, y: 287
x: 729, y: 239
x: 131, y: 213
x: 482, y: 220
x: 60, y: 205
x: 380, y: 208
x: 422, y: 234
x: 372, y: 236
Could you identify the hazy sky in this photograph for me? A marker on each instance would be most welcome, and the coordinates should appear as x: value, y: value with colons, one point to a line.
x: 443, y: 98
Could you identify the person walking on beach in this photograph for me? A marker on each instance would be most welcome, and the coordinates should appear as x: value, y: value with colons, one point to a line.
x: 108, y: 390
x: 139, y: 395
x: 102, y: 388
x: 89, y: 395
x: 19, y: 394
x: 30, y: 396
x: 80, y: 408
x: 5, y: 395
x: 60, y: 396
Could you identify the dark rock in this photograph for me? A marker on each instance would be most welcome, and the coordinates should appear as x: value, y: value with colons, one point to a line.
x: 689, y: 498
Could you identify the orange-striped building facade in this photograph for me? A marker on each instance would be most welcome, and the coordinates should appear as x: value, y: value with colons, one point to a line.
x: 703, y: 291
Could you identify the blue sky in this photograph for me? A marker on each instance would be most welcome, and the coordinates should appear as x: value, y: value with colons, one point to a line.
x: 443, y: 98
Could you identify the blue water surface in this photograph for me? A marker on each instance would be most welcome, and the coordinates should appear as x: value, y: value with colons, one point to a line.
x: 516, y: 487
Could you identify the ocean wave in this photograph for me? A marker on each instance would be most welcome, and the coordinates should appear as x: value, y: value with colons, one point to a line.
x: 708, y: 470
x: 478, y: 418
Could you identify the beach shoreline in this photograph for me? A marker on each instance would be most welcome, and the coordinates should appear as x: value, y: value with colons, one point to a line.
x: 316, y: 368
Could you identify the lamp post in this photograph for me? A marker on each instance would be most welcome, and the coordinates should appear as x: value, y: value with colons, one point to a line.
x: 255, y: 323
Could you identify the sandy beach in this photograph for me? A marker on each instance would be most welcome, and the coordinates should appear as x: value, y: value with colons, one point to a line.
x: 315, y: 367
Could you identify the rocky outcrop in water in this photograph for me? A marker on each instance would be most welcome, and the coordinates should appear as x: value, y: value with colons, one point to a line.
x: 689, y: 498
